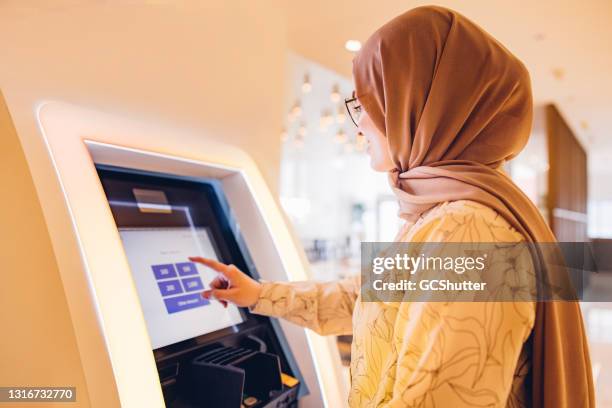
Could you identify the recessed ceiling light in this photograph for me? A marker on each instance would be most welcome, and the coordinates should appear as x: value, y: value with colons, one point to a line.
x: 558, y: 73
x: 584, y: 125
x: 353, y: 45
x: 539, y: 36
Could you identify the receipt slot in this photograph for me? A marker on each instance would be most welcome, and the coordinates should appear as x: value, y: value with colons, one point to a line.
x: 137, y: 199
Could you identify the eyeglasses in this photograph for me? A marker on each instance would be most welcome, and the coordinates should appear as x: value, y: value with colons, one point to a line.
x: 353, y: 108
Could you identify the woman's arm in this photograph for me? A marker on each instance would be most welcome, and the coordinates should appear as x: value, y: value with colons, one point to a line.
x: 325, y: 307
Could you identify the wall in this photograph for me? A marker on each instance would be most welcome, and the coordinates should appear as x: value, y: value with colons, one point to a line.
x: 567, y: 179
x: 529, y: 170
x: 37, y: 347
x: 600, y: 197
x: 216, y: 68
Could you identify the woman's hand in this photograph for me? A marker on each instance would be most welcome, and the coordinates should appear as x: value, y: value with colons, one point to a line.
x: 231, y: 285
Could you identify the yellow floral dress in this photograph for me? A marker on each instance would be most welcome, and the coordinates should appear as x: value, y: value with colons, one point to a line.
x: 422, y: 354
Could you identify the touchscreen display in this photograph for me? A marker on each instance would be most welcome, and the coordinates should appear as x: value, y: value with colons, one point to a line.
x: 170, y: 286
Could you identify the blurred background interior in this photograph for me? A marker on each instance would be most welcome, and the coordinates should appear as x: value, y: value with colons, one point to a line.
x: 335, y: 201
x: 274, y: 75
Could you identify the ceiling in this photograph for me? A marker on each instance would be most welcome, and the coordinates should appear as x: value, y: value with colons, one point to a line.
x: 565, y: 44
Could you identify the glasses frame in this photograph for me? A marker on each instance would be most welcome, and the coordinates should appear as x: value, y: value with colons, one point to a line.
x: 347, y: 102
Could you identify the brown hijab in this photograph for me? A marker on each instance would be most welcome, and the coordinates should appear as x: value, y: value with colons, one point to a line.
x: 454, y: 105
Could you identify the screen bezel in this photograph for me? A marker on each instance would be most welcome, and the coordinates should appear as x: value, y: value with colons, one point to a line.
x: 234, y: 251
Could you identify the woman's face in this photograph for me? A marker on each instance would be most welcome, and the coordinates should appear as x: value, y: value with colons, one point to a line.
x: 377, y: 146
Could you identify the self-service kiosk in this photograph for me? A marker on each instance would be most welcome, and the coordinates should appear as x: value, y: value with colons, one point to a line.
x: 140, y: 199
x: 206, y: 355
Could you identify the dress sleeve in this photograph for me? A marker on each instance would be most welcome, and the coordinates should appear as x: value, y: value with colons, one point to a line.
x: 325, y: 307
x: 459, y: 354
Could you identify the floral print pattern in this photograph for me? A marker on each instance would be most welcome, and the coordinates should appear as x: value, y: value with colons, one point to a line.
x: 422, y: 354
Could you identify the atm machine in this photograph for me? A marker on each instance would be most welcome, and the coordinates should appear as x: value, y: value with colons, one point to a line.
x: 139, y: 204
x: 206, y: 355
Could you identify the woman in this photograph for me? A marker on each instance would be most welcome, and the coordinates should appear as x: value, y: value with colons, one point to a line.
x: 443, y: 106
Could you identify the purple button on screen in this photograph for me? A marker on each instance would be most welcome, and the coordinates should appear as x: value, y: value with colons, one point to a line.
x: 164, y: 271
x: 186, y: 268
x: 185, y: 302
x: 171, y: 287
x: 191, y: 284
